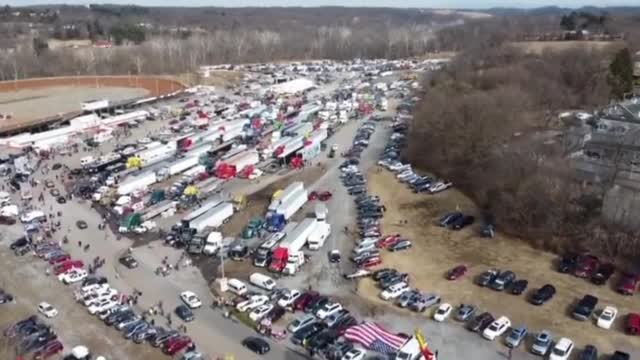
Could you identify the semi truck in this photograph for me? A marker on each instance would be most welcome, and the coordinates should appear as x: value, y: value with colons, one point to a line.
x: 177, y: 167
x: 276, y: 220
x: 319, y: 236
x: 288, y: 256
x: 230, y: 167
x: 262, y: 255
x: 284, y: 195
x: 192, y: 216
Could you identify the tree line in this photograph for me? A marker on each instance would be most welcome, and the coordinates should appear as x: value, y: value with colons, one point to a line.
x: 489, y: 124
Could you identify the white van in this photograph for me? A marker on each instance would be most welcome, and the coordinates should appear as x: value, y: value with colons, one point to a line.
x: 262, y: 281
x: 87, y: 160
x: 35, y: 215
x: 237, y: 287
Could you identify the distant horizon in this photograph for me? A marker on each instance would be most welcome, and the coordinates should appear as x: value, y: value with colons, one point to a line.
x: 414, y: 4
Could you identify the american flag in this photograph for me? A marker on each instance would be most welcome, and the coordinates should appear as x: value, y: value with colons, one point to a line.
x: 375, y: 337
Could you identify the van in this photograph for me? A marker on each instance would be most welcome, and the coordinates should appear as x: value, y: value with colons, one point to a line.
x: 87, y: 160
x: 237, y: 287
x: 410, y: 350
x: 262, y: 281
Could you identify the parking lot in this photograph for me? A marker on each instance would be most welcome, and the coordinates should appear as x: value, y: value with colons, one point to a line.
x: 436, y: 250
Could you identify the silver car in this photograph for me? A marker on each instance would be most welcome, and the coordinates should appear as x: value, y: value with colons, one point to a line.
x: 423, y: 302
x: 542, y: 343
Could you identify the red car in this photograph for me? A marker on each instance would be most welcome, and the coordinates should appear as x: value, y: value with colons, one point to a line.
x: 457, y: 272
x: 66, y: 266
x: 388, y: 240
x: 325, y: 196
x: 586, y: 266
x: 371, y: 262
x: 174, y: 345
x: 301, y: 302
x: 628, y: 283
x: 59, y: 259
x: 49, y: 349
x: 633, y: 324
x: 313, y: 196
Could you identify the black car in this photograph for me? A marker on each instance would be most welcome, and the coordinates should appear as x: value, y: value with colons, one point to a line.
x: 276, y: 313
x: 480, y: 322
x: 319, y: 342
x: 585, y: 308
x: 518, y: 287
x: 307, y: 332
x: 619, y: 355
x: 503, y: 280
x: 603, y: 274
x: 6, y: 298
x: 128, y: 261
x: 317, y: 304
x: 487, y: 277
x: 61, y: 200
x: 450, y: 218
x: 590, y: 352
x: 257, y: 345
x: 184, y: 313
x: 382, y: 273
x: 91, y: 280
x: 334, y: 256
x: 462, y: 222
x: 567, y: 263
x: 394, y: 279
x: 543, y: 295
x: 20, y: 242
x: 81, y: 224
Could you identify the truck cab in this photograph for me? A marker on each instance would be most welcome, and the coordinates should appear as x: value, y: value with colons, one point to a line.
x: 294, y: 263
x: 276, y: 223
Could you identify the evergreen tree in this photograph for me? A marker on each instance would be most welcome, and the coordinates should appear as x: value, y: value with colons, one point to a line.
x: 621, y: 74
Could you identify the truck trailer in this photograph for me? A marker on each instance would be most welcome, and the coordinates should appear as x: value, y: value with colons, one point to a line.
x: 288, y: 256
x: 213, y: 218
x: 192, y: 216
x: 317, y: 239
x: 285, y: 194
x: 140, y: 182
x: 293, y: 204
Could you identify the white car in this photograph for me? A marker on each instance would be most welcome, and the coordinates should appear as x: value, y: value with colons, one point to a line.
x: 354, y: 354
x: 259, y: 312
x: 252, y: 303
x: 607, y: 317
x: 497, y: 328
x: 328, y: 309
x: 47, y: 310
x: 191, y: 299
x: 103, y: 304
x: 73, y: 276
x: 288, y: 298
x: 394, y: 291
x: 443, y: 312
x: 94, y: 297
x: 301, y: 322
x: 440, y: 186
x: 562, y: 350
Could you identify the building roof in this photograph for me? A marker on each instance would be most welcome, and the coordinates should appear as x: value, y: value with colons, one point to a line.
x: 293, y: 86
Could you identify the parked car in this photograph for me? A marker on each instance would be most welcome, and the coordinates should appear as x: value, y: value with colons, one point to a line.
x: 487, y: 277
x: 177, y: 344
x: 457, y: 272
x: 443, y: 312
x: 307, y: 332
x: 590, y: 352
x: 633, y: 324
x: 425, y: 301
x: 462, y: 222
x: 48, y: 350
x: 620, y: 355
x: 128, y: 261
x: 449, y: 218
x: 400, y: 245
x: 301, y: 322
x: 47, y: 310
x: 567, y: 263
x: 190, y: 299
x: 518, y: 287
x: 586, y: 266
x: 603, y: 274
x: 394, y: 291
x: 562, y: 350
x: 503, y: 280
x: 496, y: 328
x: 585, y: 307
x: 543, y: 294
x: 628, y: 284
x: 516, y: 335
x: 607, y: 317
x: 480, y: 322
x: 465, y: 312
x: 542, y: 343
